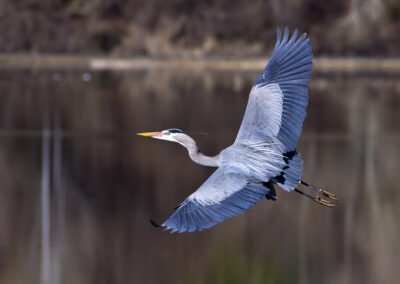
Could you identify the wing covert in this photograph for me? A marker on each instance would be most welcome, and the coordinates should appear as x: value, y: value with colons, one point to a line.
x: 263, y: 115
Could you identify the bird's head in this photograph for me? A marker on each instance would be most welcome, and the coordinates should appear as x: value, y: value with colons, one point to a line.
x: 172, y: 134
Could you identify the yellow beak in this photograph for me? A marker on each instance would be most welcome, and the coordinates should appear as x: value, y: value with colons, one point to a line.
x: 149, y: 134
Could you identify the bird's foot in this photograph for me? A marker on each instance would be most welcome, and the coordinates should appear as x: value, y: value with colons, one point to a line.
x: 318, y: 199
x: 328, y: 194
x: 321, y: 191
x: 324, y: 202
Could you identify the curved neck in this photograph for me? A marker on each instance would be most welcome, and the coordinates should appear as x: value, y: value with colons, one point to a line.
x: 196, y: 155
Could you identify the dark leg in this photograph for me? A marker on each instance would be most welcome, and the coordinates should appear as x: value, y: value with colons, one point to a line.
x: 316, y: 199
x: 321, y: 191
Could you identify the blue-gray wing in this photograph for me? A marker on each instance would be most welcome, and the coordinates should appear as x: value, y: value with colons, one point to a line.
x: 278, y: 100
x: 223, y: 195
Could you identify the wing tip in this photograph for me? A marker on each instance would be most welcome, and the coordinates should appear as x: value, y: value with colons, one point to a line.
x: 283, y: 35
x: 155, y: 224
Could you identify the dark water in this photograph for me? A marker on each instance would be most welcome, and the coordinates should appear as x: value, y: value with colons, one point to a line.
x: 75, y: 200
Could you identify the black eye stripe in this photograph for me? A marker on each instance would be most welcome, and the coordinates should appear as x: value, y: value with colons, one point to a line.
x: 175, y: 130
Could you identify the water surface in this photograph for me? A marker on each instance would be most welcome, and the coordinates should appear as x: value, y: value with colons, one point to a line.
x: 78, y: 187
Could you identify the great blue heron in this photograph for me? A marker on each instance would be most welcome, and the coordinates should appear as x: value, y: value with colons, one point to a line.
x: 264, y: 152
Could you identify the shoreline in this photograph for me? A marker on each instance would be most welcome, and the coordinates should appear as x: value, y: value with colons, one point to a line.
x: 320, y: 64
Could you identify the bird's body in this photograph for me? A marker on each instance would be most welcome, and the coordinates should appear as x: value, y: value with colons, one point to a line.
x: 262, y: 161
x: 264, y: 152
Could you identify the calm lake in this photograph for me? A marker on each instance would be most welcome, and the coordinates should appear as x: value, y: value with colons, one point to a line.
x: 78, y: 187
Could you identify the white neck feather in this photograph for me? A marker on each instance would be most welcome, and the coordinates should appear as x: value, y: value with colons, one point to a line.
x: 195, y: 154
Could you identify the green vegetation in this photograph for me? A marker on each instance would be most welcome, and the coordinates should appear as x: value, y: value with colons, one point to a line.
x: 228, y: 265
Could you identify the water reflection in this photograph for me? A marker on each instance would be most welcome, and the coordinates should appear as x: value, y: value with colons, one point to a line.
x: 105, y: 183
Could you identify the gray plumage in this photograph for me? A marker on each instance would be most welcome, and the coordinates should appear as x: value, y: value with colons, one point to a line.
x: 264, y: 150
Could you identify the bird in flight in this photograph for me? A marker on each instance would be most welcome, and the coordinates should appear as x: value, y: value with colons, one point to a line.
x: 264, y: 152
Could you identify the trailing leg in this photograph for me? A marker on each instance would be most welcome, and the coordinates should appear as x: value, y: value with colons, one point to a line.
x: 316, y: 198
x: 320, y: 191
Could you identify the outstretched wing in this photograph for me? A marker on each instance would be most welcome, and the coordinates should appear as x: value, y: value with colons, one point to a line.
x: 223, y: 195
x: 278, y: 100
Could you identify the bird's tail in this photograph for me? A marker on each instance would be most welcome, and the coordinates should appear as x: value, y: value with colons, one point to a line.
x: 290, y: 176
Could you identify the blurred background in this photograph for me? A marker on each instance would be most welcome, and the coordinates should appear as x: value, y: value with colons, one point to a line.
x: 77, y: 188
